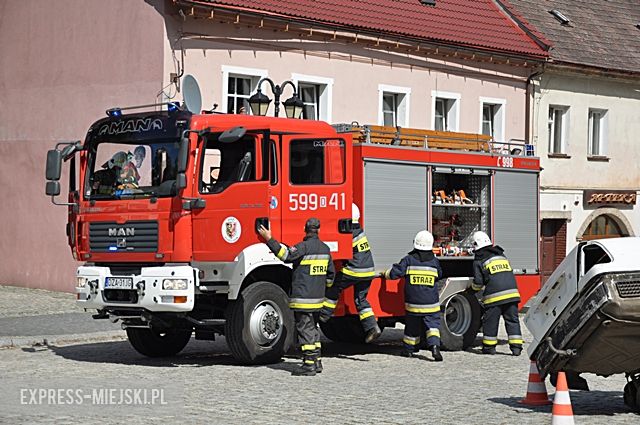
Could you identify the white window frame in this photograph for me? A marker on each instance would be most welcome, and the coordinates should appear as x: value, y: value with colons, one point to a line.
x: 564, y: 131
x: 498, y: 118
x: 453, y: 117
x: 325, y: 108
x: 602, y: 133
x: 403, y: 100
x: 236, y: 71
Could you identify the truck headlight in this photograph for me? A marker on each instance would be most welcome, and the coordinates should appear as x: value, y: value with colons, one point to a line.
x: 175, y: 284
x: 81, y: 282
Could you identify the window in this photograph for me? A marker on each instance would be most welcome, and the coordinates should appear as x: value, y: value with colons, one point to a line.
x: 393, y: 105
x: 445, y: 111
x: 311, y: 99
x: 315, y: 93
x: 238, y: 86
x: 226, y: 163
x: 389, y: 109
x: 602, y: 227
x: 558, y: 129
x: 492, y: 118
x: 317, y: 161
x: 597, y: 132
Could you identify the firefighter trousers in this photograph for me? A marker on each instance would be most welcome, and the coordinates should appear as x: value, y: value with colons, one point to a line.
x: 360, y: 291
x: 308, y: 335
x: 415, y: 326
x: 491, y: 321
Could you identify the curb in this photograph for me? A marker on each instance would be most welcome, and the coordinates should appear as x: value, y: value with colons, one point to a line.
x: 45, y: 340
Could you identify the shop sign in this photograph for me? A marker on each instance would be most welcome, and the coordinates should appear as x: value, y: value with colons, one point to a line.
x: 597, y: 198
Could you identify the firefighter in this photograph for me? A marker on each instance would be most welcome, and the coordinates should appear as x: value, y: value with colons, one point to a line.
x: 312, y: 270
x: 420, y: 269
x: 357, y: 272
x: 491, y: 270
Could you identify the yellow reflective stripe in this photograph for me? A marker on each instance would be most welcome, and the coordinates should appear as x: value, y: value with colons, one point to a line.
x: 433, y: 332
x: 366, y: 314
x: 422, y: 310
x: 516, y: 341
x: 501, y: 298
x: 318, y: 344
x: 362, y: 244
x: 308, y: 347
x: 329, y: 283
x: 411, y: 341
x: 305, y: 305
x: 497, y: 266
x: 358, y: 274
x: 282, y: 254
x: 476, y: 287
x: 423, y: 272
x: 489, y: 342
x: 314, y: 262
x: 309, y: 362
x: 328, y: 303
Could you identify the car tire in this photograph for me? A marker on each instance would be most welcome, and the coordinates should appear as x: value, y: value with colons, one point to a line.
x: 460, y: 321
x: 260, y: 326
x: 155, y: 343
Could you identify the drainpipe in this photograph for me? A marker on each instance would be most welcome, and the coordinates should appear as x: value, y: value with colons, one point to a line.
x: 530, y: 104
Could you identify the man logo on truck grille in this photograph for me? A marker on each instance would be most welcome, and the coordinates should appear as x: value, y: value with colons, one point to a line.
x: 122, y: 231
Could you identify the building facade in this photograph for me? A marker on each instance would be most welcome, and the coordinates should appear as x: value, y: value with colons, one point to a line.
x: 586, y: 121
x: 386, y: 67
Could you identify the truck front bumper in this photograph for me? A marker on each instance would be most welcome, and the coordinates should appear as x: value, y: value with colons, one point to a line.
x: 99, y: 288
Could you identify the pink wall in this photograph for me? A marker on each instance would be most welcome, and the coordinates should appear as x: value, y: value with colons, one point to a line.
x: 62, y: 64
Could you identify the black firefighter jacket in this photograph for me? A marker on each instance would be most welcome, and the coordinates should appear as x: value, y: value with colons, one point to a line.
x: 420, y: 269
x: 492, y: 268
x: 312, y: 270
x: 360, y: 267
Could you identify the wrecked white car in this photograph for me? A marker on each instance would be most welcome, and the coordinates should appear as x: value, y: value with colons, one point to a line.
x: 586, y: 317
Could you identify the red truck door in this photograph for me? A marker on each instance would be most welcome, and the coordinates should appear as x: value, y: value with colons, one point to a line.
x: 234, y: 185
x: 316, y: 182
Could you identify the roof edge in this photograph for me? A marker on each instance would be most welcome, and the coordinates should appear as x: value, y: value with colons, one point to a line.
x: 531, y: 31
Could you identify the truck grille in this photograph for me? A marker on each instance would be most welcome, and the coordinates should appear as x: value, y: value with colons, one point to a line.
x: 121, y: 296
x: 132, y: 236
x: 628, y: 289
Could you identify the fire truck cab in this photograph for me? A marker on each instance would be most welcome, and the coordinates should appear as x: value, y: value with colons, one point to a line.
x: 164, y: 208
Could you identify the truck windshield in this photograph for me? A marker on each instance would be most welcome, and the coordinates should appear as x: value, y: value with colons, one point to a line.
x: 141, y: 170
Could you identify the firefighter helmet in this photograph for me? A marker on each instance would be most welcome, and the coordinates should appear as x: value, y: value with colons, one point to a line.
x: 423, y: 241
x: 480, y: 240
x: 355, y: 213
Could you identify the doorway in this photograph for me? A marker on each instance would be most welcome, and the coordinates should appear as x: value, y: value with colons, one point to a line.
x: 554, y: 245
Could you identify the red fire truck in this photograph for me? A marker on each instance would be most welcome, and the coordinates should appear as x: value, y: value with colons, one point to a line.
x: 164, y: 206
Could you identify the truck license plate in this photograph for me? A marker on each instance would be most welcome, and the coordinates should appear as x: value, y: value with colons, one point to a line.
x: 119, y: 283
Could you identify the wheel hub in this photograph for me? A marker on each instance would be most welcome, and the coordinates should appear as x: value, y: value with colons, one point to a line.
x: 266, y: 323
x: 458, y: 315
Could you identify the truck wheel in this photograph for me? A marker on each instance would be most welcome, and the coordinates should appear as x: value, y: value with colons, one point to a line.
x: 153, y: 343
x: 260, y: 326
x: 343, y: 329
x: 461, y: 320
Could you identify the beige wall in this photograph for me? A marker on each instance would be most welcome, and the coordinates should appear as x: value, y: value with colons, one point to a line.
x: 63, y: 64
x: 356, y: 79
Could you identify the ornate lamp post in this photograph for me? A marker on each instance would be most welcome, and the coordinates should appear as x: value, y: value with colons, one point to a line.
x: 260, y: 103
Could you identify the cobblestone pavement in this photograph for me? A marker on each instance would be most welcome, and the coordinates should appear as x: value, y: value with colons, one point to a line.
x: 18, y: 302
x: 360, y: 385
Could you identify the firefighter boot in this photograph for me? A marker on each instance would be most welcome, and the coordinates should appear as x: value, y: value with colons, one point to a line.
x: 516, y: 351
x: 319, y: 366
x: 406, y: 353
x: 435, y: 351
x: 488, y: 350
x: 372, y: 334
x: 308, y: 368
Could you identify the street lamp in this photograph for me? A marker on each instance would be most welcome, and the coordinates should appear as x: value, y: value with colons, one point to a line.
x: 260, y: 103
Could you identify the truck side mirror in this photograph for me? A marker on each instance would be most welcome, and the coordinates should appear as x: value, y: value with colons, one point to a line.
x: 183, y: 155
x: 53, y: 187
x: 54, y: 165
x: 181, y: 181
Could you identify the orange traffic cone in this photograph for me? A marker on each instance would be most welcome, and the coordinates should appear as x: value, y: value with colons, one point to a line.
x: 562, y: 411
x: 536, y: 390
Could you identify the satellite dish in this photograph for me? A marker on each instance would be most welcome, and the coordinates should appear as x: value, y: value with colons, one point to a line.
x: 191, y: 94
